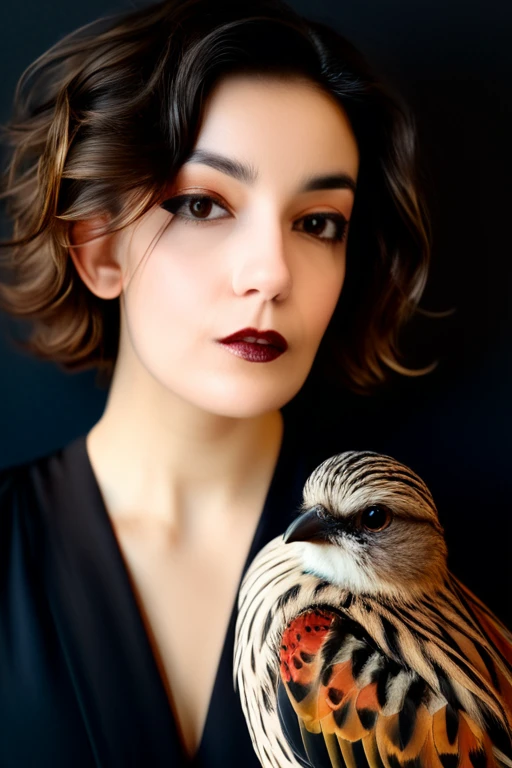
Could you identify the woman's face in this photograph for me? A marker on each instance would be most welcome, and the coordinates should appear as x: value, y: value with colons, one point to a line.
x: 263, y: 248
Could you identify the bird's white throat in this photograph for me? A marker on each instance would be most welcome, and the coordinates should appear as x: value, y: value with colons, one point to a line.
x: 340, y: 565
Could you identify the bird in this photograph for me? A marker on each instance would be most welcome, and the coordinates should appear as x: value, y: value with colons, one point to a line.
x: 356, y: 647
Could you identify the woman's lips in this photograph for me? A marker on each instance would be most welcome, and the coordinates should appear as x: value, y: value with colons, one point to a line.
x: 254, y: 345
x: 253, y: 352
x: 252, y: 335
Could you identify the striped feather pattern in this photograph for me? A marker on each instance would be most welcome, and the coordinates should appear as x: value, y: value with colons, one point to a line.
x: 398, y: 666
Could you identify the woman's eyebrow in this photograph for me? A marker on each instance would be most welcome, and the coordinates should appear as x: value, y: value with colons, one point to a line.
x: 248, y: 175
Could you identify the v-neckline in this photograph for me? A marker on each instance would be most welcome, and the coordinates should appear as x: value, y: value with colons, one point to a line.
x: 277, y: 483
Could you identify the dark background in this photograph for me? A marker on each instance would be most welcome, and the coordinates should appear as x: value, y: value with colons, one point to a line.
x: 453, y: 62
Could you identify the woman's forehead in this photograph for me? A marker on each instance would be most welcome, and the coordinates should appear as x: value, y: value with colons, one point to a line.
x: 265, y: 125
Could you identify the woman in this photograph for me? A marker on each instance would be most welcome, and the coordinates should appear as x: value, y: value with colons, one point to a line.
x: 123, y: 552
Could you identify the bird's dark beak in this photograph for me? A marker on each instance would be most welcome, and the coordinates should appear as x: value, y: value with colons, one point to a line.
x: 309, y: 525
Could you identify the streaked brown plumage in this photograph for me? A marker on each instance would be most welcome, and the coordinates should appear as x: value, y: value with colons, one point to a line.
x: 355, y: 646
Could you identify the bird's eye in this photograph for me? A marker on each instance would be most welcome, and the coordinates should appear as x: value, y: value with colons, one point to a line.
x: 375, y: 518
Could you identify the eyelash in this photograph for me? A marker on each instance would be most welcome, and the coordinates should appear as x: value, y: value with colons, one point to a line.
x: 175, y: 203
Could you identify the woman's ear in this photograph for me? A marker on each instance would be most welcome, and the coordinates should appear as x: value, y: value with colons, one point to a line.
x: 94, y: 258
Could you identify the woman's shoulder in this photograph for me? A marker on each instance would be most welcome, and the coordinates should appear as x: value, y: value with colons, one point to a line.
x: 12, y: 478
x: 16, y: 471
x: 16, y: 475
x: 26, y: 485
x: 8, y: 476
x: 15, y: 537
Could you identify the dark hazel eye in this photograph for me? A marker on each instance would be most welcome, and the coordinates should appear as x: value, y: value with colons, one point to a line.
x: 375, y: 518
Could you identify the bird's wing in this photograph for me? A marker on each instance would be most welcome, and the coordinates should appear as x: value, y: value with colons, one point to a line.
x: 345, y: 703
x: 498, y: 634
x: 499, y: 637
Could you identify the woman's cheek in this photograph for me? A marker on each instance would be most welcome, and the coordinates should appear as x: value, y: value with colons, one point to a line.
x: 322, y: 297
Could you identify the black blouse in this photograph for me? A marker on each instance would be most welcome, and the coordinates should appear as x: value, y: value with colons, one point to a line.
x: 79, y: 684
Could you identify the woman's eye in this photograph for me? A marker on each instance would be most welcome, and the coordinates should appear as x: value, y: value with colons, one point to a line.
x: 325, y: 226
x: 197, y: 207
x: 329, y: 227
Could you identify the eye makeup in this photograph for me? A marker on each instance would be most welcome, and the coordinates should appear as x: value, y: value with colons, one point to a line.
x: 205, y: 203
x: 175, y: 204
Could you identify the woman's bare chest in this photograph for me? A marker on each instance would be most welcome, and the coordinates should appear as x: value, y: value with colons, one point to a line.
x: 185, y: 597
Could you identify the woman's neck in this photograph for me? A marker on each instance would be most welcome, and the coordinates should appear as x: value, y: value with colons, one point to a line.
x: 160, y: 458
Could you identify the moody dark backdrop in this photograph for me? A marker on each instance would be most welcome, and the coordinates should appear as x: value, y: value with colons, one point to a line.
x: 452, y: 60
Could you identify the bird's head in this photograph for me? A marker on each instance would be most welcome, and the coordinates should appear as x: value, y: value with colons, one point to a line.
x: 369, y: 524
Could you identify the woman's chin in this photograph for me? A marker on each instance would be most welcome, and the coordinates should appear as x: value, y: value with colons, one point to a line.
x: 238, y: 404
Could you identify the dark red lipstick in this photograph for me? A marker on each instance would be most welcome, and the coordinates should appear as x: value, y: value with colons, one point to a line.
x: 254, y: 345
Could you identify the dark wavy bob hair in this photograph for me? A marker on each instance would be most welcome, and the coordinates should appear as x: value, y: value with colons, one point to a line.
x: 104, y: 120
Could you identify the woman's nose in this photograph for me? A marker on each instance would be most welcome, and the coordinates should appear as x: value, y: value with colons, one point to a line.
x: 261, y: 265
